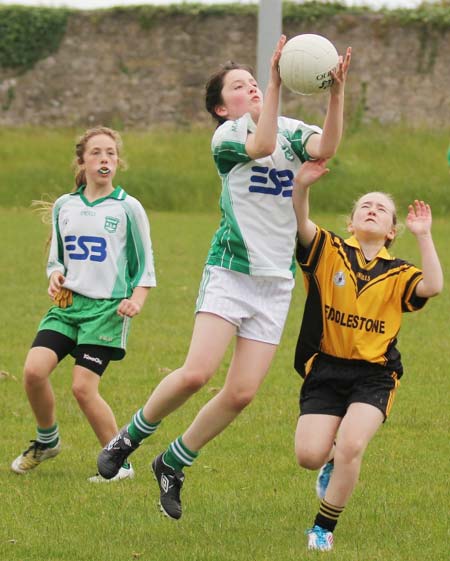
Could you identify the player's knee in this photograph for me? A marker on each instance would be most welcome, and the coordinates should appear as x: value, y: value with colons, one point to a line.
x: 33, y: 375
x: 350, y: 450
x: 194, y: 379
x: 238, y: 399
x: 310, y: 458
x: 81, y: 392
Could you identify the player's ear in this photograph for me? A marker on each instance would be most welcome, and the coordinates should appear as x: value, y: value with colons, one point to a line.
x: 221, y: 111
x: 392, y: 233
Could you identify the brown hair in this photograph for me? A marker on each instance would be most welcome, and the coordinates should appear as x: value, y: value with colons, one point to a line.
x: 80, y: 147
x: 44, y: 206
x: 214, y: 86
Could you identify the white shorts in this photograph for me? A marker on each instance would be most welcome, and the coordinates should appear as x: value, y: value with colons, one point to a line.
x: 257, y: 306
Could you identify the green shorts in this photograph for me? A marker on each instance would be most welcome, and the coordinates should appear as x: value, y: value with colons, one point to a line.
x: 90, y: 322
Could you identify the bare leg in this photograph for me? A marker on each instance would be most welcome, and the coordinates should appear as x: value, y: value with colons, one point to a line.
x: 358, y: 427
x: 210, y: 339
x: 39, y: 364
x: 249, y: 366
x: 314, y: 439
x: 99, y: 414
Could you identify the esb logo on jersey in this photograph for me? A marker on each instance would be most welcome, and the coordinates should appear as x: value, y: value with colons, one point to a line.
x: 82, y: 248
x: 271, y: 182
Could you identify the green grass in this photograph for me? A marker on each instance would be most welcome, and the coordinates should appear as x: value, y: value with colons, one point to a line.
x: 168, y: 170
x: 173, y: 169
x: 245, y: 498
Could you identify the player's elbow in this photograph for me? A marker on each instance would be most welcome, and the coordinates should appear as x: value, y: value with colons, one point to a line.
x: 269, y: 147
x: 436, y: 291
x: 262, y: 149
x: 327, y: 152
x: 432, y: 290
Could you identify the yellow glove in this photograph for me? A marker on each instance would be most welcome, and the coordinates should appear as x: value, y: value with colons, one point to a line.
x: 63, y: 298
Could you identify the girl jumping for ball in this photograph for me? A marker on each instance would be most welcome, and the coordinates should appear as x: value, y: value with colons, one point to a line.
x: 248, y: 278
x: 347, y: 347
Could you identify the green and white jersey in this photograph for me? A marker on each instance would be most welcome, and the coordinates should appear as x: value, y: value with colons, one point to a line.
x: 103, y: 248
x: 258, y: 228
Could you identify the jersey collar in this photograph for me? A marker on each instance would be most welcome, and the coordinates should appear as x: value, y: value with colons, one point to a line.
x: 382, y: 254
x: 119, y: 194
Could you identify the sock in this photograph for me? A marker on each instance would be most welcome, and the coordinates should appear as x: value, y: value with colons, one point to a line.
x: 328, y: 515
x: 178, y: 455
x: 48, y: 437
x: 139, y: 428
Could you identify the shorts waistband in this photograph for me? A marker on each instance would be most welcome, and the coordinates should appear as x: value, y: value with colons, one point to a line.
x: 349, y: 361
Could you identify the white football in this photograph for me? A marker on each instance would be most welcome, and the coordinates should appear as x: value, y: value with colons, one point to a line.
x: 306, y: 63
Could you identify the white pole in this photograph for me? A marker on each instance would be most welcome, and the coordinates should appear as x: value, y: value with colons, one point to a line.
x: 270, y: 17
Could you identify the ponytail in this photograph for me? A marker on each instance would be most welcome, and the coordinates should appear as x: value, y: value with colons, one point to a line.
x: 80, y: 179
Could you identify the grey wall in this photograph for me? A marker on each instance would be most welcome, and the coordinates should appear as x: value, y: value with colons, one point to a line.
x: 111, y: 70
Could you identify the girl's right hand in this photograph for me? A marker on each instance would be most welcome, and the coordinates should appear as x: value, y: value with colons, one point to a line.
x: 56, y: 282
x: 275, y: 60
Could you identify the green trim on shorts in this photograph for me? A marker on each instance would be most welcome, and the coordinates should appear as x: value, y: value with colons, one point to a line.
x: 91, y: 322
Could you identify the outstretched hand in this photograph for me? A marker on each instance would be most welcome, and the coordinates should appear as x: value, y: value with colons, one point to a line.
x: 310, y: 172
x: 340, y: 73
x: 418, y: 220
x: 275, y: 60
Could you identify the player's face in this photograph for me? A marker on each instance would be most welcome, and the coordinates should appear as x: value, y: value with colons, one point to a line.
x: 373, y: 218
x: 240, y: 95
x: 100, y: 160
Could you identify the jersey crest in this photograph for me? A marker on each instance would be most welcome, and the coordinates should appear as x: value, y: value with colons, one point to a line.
x: 339, y: 278
x: 111, y: 224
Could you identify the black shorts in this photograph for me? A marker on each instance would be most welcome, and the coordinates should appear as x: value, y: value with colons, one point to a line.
x: 92, y: 357
x: 333, y: 384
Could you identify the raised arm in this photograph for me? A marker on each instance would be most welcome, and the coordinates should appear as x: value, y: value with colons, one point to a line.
x: 418, y: 222
x: 326, y: 144
x: 263, y: 142
x: 308, y: 174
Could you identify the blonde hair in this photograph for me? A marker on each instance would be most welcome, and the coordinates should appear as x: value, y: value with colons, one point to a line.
x: 390, y: 198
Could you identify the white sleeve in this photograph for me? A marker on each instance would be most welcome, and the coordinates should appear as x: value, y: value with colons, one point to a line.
x: 56, y: 255
x: 139, y: 246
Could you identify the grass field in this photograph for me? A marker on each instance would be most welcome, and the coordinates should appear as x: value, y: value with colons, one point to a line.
x: 173, y: 169
x: 245, y: 499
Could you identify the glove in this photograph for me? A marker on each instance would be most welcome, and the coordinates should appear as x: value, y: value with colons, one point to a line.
x: 63, y: 298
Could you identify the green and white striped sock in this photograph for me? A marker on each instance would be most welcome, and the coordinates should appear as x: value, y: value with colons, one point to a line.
x: 48, y: 437
x: 139, y: 428
x: 178, y: 455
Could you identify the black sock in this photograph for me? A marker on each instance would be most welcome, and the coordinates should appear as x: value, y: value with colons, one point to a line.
x: 328, y: 515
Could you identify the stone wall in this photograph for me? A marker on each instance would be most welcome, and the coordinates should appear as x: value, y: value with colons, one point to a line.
x: 111, y: 70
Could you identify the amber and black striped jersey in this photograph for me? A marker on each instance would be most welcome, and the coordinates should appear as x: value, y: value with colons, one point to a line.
x: 353, y: 307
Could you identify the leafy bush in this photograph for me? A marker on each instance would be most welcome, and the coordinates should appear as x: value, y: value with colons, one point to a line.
x: 29, y: 34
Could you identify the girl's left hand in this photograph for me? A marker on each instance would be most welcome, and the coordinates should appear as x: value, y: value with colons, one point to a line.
x: 310, y: 172
x: 340, y: 73
x: 128, y: 308
x: 274, y: 61
x: 419, y: 218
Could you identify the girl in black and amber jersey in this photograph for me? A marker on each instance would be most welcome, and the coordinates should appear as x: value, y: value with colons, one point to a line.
x: 346, y: 351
